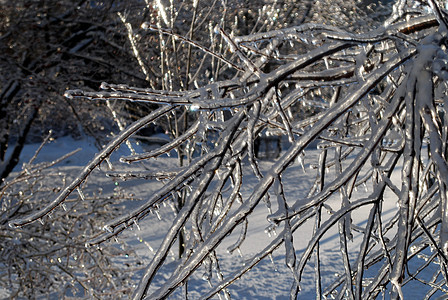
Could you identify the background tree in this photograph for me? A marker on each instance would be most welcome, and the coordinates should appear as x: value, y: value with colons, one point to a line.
x: 49, y: 258
x: 46, y: 47
x: 378, y: 106
x: 379, y: 98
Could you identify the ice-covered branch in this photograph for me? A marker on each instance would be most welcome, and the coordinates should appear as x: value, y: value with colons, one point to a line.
x: 374, y: 100
x: 95, y: 162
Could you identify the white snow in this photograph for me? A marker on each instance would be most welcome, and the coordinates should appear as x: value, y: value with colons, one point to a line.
x: 270, y: 279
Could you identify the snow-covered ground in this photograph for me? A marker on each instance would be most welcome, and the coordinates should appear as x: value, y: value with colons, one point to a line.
x: 270, y: 279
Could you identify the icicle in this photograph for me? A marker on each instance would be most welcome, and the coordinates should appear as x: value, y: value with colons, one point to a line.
x: 271, y: 258
x: 108, y: 228
x: 206, y: 276
x: 109, y: 163
x: 136, y: 224
x: 300, y: 161
x: 217, y: 211
x: 326, y: 63
x: 156, y: 211
x: 270, y: 230
x: 148, y: 245
x: 239, y: 252
x: 81, y: 194
x: 241, y: 238
x: 267, y: 202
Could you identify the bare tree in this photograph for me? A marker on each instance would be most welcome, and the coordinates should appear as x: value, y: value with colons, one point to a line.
x: 378, y: 102
x: 47, y: 47
x: 49, y: 258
